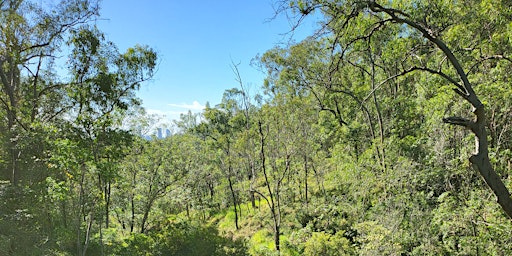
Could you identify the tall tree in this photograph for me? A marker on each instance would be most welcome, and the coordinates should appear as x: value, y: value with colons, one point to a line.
x: 432, y: 42
x: 103, y: 85
x: 220, y: 126
x: 31, y: 36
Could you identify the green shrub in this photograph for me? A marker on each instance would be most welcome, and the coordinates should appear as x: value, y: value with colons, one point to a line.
x: 179, y: 238
x: 324, y: 244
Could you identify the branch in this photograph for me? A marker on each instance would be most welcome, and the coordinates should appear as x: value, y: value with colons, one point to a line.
x: 61, y: 29
x: 261, y: 194
x: 466, y: 90
x: 486, y: 58
x: 5, y: 104
x: 51, y: 117
x: 460, y: 89
x: 49, y: 88
x: 460, y: 121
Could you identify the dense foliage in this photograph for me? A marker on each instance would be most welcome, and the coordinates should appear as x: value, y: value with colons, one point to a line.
x: 360, y: 142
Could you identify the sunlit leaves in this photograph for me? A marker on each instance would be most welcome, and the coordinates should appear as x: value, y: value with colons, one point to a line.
x: 103, y: 77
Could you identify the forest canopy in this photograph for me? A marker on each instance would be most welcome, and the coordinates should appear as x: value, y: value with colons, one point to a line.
x: 386, y: 132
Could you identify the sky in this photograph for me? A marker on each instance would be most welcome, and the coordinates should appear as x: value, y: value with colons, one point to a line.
x: 197, y: 43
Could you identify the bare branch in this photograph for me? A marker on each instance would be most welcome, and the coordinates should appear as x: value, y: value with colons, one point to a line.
x: 460, y: 121
x: 487, y: 58
x: 262, y: 195
x: 401, y: 17
x: 416, y: 68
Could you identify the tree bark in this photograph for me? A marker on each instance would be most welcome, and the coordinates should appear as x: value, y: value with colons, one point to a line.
x: 277, y: 238
x: 107, y: 203
x: 252, y: 179
x: 306, y: 179
x: 132, y: 202
x: 481, y: 162
x: 233, y: 194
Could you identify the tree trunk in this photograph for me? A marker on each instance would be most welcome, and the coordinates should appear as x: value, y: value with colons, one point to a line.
x: 88, y: 234
x: 380, y: 149
x: 107, y: 203
x: 132, y: 220
x: 271, y: 202
x: 145, y: 217
x: 234, y: 200
x: 306, y: 179
x: 10, y: 79
x: 251, y: 184
x: 64, y: 213
x: 481, y: 162
x: 277, y: 238
x: 80, y: 207
x: 132, y: 202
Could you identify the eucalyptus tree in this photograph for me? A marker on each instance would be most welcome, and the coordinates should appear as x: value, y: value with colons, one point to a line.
x: 437, y: 38
x: 151, y: 172
x: 220, y: 127
x: 76, y: 118
x: 104, y: 82
x: 31, y: 36
x: 285, y: 151
x: 340, y: 95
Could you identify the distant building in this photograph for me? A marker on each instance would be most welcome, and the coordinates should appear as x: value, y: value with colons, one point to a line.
x: 159, y: 133
x: 167, y: 133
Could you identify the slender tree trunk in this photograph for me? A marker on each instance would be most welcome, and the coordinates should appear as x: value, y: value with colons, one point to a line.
x: 380, y: 148
x: 276, y: 212
x: 64, y: 212
x: 14, y: 152
x: 88, y: 234
x: 143, y: 222
x: 80, y: 210
x: 145, y: 217
x: 132, y: 202
x: 271, y: 202
x: 120, y: 219
x: 132, y: 220
x: 107, y: 203
x: 10, y: 79
x: 233, y: 194
x: 277, y: 240
x: 306, y: 179
x: 251, y: 184
x: 211, y: 188
x: 101, y: 237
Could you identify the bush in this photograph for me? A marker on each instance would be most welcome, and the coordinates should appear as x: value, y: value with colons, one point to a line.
x: 322, y: 243
x: 179, y: 238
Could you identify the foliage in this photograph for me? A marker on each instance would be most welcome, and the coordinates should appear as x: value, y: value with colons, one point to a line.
x: 346, y: 152
x: 179, y: 238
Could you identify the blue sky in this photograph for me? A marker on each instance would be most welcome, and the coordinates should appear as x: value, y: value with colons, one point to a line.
x: 197, y: 41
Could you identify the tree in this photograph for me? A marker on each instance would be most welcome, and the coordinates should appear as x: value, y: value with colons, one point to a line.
x: 151, y: 171
x: 62, y: 134
x: 31, y: 37
x: 103, y: 82
x: 432, y: 42
x: 284, y: 149
x: 220, y: 125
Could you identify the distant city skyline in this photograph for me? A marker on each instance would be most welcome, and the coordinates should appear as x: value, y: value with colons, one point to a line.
x: 159, y: 133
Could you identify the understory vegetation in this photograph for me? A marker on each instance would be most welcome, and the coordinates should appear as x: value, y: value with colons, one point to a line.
x: 387, y: 132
